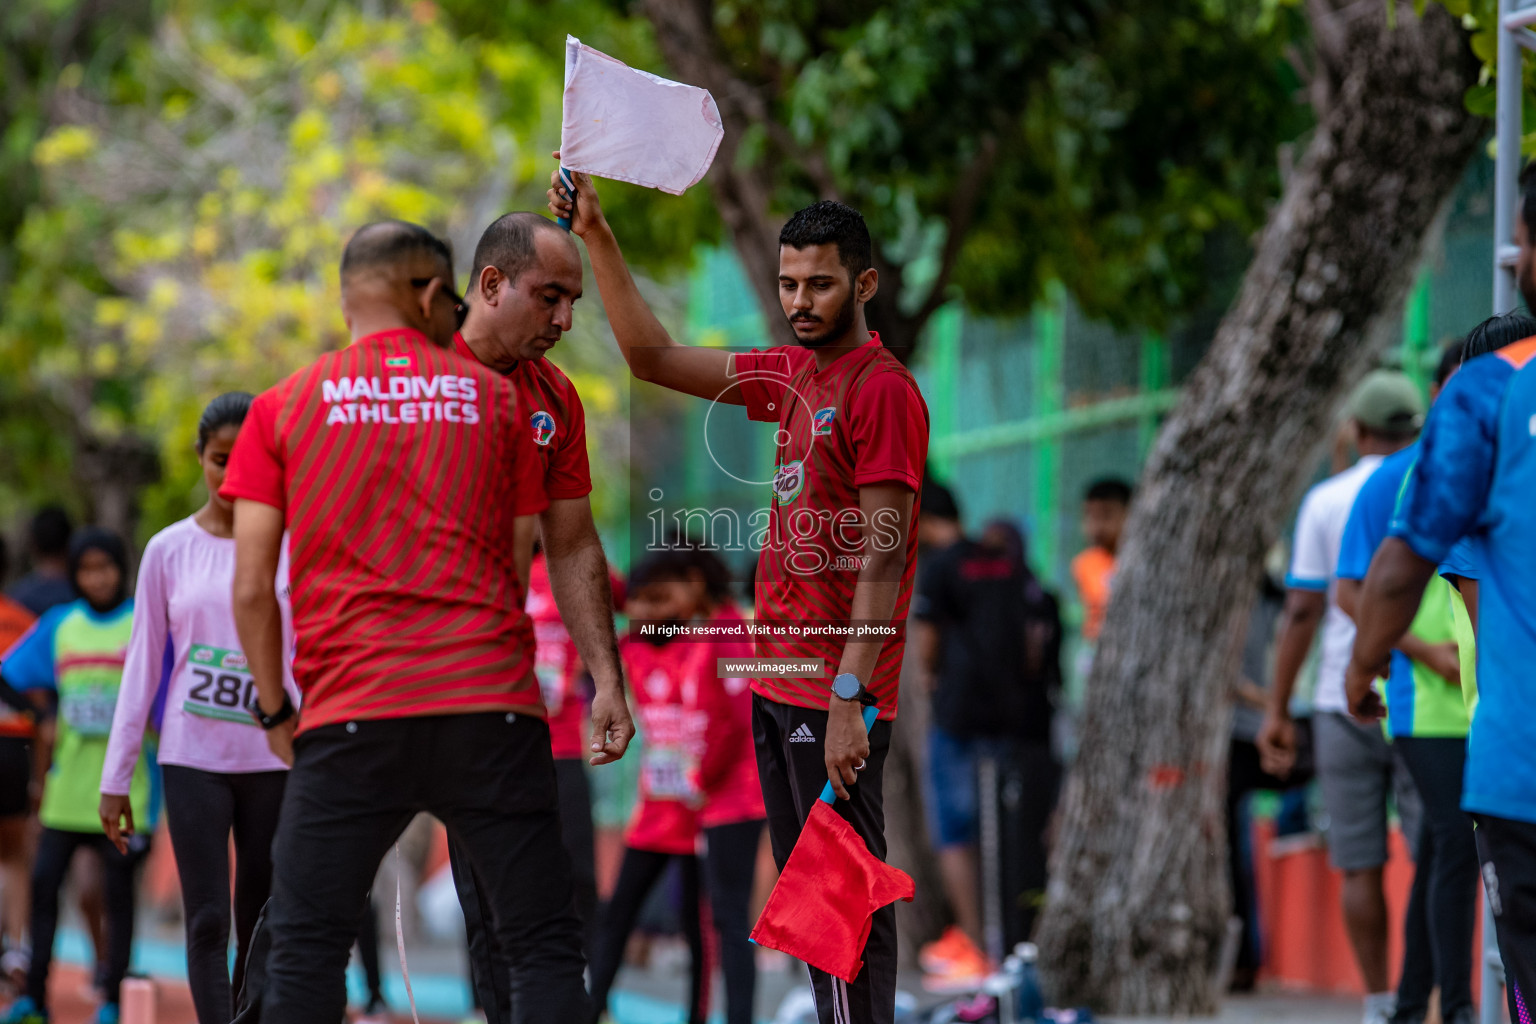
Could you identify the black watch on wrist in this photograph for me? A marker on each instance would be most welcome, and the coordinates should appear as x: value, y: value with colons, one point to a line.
x: 847, y: 687
x: 272, y: 721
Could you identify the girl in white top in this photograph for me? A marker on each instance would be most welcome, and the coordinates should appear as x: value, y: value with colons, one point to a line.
x: 219, y: 775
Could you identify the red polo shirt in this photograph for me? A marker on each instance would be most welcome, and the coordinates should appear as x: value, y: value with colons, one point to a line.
x: 400, y: 474
x: 859, y: 422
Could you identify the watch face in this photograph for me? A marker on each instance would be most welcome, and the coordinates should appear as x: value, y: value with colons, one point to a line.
x: 846, y: 686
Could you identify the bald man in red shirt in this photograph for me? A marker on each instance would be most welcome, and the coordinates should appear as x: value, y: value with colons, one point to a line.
x: 399, y: 471
x: 527, y: 277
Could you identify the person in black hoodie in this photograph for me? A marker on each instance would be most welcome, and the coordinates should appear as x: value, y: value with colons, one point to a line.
x: 989, y: 639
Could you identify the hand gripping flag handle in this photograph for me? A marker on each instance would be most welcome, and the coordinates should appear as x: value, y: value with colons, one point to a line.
x: 570, y: 189
x: 870, y: 713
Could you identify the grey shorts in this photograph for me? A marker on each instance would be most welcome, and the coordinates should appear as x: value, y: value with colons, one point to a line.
x: 1356, y: 771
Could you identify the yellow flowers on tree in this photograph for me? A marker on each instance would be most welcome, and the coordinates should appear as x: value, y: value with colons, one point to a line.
x: 191, y: 218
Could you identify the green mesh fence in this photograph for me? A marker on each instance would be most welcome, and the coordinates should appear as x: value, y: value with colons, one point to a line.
x: 1027, y: 412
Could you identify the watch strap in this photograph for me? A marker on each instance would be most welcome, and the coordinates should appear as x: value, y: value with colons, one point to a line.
x: 277, y: 718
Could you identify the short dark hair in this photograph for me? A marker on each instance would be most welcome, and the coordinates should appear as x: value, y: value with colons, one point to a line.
x: 830, y: 222
x: 1496, y: 332
x: 510, y: 244
x: 387, y: 243
x: 938, y: 501
x: 1528, y: 200
x: 49, y: 532
x: 227, y: 410
x: 1450, y: 358
x: 1110, y: 488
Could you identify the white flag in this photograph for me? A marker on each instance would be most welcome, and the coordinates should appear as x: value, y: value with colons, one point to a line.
x: 633, y: 126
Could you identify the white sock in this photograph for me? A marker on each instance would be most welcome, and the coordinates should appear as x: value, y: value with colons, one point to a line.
x: 1380, y: 1004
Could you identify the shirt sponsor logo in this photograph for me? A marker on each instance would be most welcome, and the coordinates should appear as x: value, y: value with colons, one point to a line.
x: 787, y: 481
x: 543, y: 427
x: 821, y: 423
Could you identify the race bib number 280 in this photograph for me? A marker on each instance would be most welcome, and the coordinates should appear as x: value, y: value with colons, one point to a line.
x: 222, y: 686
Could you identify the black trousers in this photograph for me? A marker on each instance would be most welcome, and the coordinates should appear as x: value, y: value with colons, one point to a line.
x: 1507, y: 849
x: 1445, y: 877
x: 638, y: 874
x: 793, y: 772
x: 202, y: 810
x: 368, y: 956
x: 1244, y: 775
x: 730, y: 867
x: 489, y: 969
x: 55, y: 849
x: 355, y: 786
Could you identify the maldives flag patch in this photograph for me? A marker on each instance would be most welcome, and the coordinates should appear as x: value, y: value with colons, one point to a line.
x: 400, y: 362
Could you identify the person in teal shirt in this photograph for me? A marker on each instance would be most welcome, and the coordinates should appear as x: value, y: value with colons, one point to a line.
x: 76, y: 652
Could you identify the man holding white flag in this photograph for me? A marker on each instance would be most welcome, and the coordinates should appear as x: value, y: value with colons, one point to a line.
x: 852, y: 441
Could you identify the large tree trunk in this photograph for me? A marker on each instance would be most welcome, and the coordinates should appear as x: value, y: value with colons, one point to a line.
x: 1138, y: 903
x: 113, y: 472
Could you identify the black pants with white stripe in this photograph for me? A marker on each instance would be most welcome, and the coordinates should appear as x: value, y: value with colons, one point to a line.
x: 793, y: 770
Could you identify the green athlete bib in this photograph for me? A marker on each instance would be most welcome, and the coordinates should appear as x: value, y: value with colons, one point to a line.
x: 88, y: 654
x: 222, y: 687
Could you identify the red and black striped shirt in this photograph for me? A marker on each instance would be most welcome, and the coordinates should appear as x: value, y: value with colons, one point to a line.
x: 556, y: 421
x: 400, y: 470
x: 859, y: 422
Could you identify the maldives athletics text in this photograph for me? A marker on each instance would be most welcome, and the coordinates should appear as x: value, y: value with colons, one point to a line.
x: 446, y: 398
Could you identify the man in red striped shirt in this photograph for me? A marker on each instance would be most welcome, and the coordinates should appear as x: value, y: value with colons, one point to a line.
x: 526, y: 279
x: 840, y: 552
x: 398, y: 470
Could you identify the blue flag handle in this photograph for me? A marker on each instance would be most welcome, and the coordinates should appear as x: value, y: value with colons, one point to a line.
x: 870, y: 714
x: 570, y: 188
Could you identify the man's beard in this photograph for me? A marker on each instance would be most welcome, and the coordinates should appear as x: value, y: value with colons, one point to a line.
x: 840, y: 325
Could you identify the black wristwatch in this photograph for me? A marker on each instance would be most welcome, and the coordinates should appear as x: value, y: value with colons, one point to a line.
x: 272, y: 721
x: 847, y: 687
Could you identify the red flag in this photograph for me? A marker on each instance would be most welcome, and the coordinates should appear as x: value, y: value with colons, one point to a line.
x: 820, y: 909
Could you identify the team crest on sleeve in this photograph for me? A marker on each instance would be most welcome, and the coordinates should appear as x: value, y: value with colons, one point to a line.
x: 787, y: 481
x: 543, y: 427
x: 821, y: 423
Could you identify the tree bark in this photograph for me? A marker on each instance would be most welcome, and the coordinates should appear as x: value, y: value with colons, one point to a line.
x: 114, y: 472
x: 1137, y: 904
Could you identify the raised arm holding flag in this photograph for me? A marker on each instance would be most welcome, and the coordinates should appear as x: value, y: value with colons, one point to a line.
x: 855, y: 437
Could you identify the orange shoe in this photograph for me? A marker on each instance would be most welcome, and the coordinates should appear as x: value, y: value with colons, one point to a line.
x: 940, y: 953
x: 964, y: 973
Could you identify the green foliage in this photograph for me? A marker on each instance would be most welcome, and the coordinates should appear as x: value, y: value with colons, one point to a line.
x: 1126, y: 134
x: 1481, y: 17
x: 185, y: 172
x: 195, y: 204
